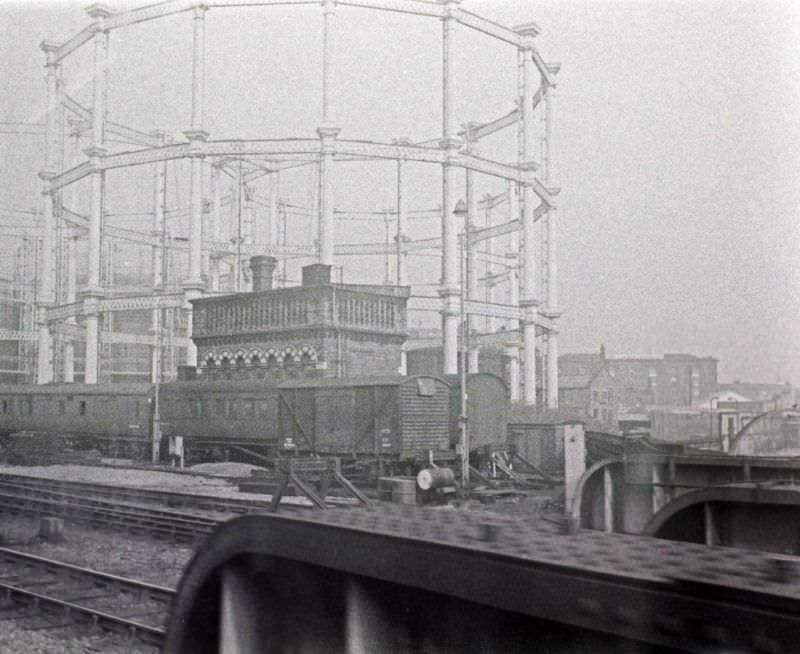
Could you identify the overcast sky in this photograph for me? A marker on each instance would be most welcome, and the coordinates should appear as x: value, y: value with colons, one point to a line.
x: 676, y: 144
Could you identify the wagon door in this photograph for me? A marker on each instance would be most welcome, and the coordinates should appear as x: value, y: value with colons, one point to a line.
x: 335, y: 419
x: 296, y: 408
x: 376, y: 421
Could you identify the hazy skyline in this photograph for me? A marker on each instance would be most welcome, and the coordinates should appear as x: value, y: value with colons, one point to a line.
x: 676, y: 145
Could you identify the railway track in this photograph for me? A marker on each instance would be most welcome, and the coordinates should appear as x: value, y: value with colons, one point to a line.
x: 182, y: 517
x: 99, y: 512
x: 172, y: 499
x: 47, y: 594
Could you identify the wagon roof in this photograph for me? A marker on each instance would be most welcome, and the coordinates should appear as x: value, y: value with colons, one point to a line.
x: 455, y: 380
x: 130, y: 388
x: 221, y: 385
x: 345, y: 382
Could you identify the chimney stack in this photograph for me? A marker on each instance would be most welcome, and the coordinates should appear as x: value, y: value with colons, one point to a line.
x: 263, y: 268
x: 317, y: 274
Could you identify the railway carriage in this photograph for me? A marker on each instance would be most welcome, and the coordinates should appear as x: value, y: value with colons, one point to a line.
x: 221, y: 415
x: 389, y: 418
x: 113, y: 417
x: 392, y: 421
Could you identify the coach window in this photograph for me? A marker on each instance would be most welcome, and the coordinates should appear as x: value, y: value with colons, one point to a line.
x: 232, y: 408
x: 248, y: 408
x: 5, y: 406
x: 219, y: 408
x: 82, y: 408
x: 136, y: 408
x: 265, y: 409
x: 62, y: 408
x: 29, y: 406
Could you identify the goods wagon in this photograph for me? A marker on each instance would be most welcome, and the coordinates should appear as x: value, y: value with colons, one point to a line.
x: 487, y: 409
x: 112, y: 417
x: 388, y: 417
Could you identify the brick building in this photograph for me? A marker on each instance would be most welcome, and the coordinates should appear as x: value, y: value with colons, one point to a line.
x: 594, y: 395
x: 317, y: 329
x: 662, y: 380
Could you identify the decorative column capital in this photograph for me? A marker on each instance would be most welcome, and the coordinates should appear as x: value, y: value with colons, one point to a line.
x: 50, y: 48
x: 451, y: 8
x: 47, y: 177
x: 192, y: 292
x: 96, y: 154
x: 328, y: 6
x: 451, y: 142
x: 196, y: 134
x: 450, y: 307
x: 551, y: 313
x: 199, y: 11
x: 327, y: 135
x: 527, y: 32
x: 99, y: 12
x: 161, y: 135
x: 91, y: 300
x: 530, y: 309
x: 553, y: 67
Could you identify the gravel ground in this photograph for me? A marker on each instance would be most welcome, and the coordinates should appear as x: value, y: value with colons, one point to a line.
x: 150, y: 479
x: 16, y: 639
x: 123, y: 555
x: 143, y: 558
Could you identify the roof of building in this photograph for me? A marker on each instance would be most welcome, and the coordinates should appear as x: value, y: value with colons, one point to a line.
x: 533, y: 415
x: 345, y: 382
x: 756, y: 391
x: 574, y: 381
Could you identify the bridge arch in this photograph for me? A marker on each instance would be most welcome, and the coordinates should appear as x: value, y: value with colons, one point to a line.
x: 742, y: 515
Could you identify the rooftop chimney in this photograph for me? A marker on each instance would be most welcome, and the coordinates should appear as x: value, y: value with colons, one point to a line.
x: 263, y: 268
x: 316, y: 274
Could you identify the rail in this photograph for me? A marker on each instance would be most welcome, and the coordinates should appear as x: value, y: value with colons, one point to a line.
x: 68, y: 594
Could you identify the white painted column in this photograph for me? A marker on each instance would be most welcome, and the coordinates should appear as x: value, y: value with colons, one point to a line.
x: 197, y: 137
x: 449, y: 290
x: 71, y: 247
x: 490, y: 290
x: 216, y: 226
x: 325, y: 225
x: 328, y: 109
x: 70, y: 253
x: 552, y: 310
x: 327, y: 134
x: 512, y: 352
x: 529, y: 301
x: 193, y: 285
x: 272, y: 201
x: 93, y: 291
x: 470, y: 250
x: 45, y: 354
x: 402, y: 219
x: 157, y: 261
